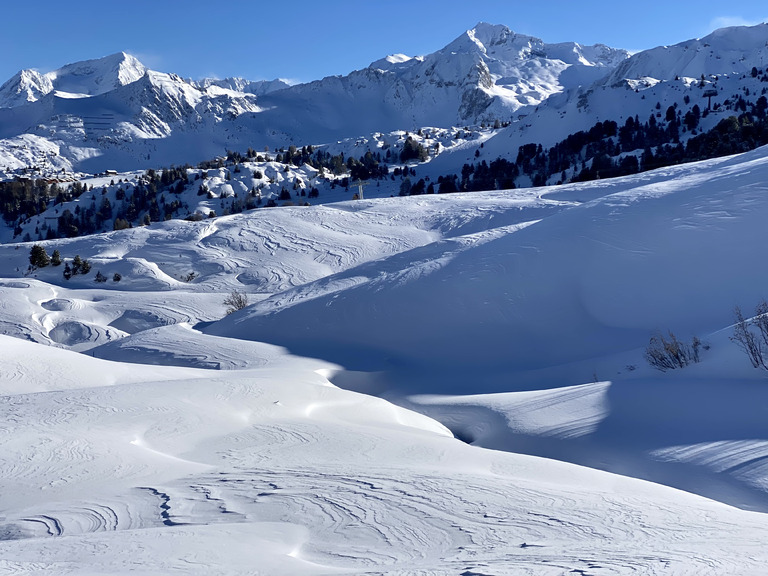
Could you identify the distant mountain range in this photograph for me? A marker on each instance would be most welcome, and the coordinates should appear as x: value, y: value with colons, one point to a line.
x: 114, y: 113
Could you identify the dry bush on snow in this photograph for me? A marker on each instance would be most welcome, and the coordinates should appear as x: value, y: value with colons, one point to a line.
x: 235, y: 301
x: 669, y: 353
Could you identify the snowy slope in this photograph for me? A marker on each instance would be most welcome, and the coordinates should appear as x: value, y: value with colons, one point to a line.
x: 441, y: 384
x: 546, y: 288
x: 566, y: 299
x: 276, y: 471
x: 180, y: 439
x: 733, y: 50
x: 515, y: 281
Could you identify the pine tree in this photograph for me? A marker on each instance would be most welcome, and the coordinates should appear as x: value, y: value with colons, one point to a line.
x: 38, y: 257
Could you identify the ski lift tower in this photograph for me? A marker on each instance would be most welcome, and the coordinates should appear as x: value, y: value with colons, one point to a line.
x: 360, y: 184
x: 709, y: 94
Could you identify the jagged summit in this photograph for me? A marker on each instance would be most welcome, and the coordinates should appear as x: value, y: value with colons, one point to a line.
x: 80, y: 79
x: 24, y: 87
x: 97, y: 76
x: 485, y: 36
x: 492, y: 40
x: 498, y: 42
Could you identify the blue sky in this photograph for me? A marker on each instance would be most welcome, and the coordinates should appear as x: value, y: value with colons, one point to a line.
x: 304, y: 40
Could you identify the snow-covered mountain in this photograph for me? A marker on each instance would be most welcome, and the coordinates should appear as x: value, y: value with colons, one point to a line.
x: 87, y: 78
x: 114, y: 113
x: 535, y: 93
x: 733, y: 51
x: 155, y: 115
x: 144, y: 117
x: 712, y: 77
x: 487, y: 73
x: 257, y: 88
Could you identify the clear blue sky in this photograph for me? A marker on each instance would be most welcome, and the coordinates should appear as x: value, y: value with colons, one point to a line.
x: 303, y: 40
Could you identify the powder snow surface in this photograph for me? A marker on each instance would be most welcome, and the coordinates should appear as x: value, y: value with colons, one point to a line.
x: 426, y: 385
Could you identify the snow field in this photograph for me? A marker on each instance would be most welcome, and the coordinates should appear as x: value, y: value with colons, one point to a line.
x: 312, y: 432
x: 277, y: 470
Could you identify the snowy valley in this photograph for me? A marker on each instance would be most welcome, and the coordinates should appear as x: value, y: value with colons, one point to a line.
x: 407, y: 383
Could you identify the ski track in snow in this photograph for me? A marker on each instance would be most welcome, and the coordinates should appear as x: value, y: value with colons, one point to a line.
x: 435, y: 517
x: 219, y: 450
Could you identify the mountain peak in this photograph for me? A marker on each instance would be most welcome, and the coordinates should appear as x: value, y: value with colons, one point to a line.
x: 92, y: 77
x: 79, y: 79
x: 394, y: 62
x: 490, y: 34
x: 23, y: 87
x: 732, y: 50
x: 484, y: 37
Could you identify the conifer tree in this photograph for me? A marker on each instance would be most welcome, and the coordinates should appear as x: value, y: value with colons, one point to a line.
x: 77, y: 264
x: 38, y: 257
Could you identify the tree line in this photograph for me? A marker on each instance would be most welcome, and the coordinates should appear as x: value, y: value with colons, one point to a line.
x: 608, y: 150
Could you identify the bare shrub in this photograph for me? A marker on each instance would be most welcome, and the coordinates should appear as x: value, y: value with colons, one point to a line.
x: 669, y: 353
x: 235, y: 301
x: 753, y: 343
x: 761, y: 321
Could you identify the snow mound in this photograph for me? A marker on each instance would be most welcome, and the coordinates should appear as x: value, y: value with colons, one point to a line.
x: 578, y: 284
x: 179, y: 470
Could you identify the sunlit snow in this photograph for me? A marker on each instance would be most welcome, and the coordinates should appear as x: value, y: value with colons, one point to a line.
x: 340, y: 423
